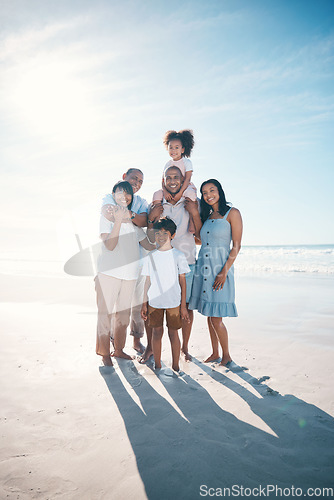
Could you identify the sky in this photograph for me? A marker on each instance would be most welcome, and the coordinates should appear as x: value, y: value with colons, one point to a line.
x: 88, y: 89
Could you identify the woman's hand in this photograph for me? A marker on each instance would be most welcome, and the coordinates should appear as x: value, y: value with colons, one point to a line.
x: 121, y: 214
x: 108, y: 212
x: 220, y: 280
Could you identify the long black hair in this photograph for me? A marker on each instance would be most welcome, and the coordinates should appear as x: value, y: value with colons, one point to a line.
x: 205, y: 208
x: 125, y: 186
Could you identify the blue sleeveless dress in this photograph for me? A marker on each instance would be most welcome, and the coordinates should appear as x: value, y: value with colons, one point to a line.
x: 216, y: 237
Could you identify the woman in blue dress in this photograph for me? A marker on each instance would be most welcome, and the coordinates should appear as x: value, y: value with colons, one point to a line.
x: 213, y: 292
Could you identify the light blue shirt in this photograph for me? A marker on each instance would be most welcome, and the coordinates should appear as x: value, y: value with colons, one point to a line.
x: 139, y: 205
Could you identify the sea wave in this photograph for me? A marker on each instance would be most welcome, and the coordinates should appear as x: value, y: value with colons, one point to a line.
x: 252, y: 260
x: 312, y: 259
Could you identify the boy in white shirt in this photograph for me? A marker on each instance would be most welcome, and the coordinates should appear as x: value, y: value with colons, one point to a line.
x: 165, y: 290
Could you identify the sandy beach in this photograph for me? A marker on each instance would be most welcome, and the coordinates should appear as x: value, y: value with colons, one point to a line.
x: 74, y: 429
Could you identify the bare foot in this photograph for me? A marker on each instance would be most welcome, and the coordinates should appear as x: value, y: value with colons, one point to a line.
x: 226, y: 360
x: 213, y: 357
x: 157, y: 366
x: 176, y: 368
x: 106, y: 360
x: 147, y: 354
x: 186, y: 354
x: 121, y: 354
x: 138, y: 346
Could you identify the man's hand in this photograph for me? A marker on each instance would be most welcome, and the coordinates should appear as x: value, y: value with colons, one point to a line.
x: 143, y: 311
x: 191, y: 206
x: 156, y: 212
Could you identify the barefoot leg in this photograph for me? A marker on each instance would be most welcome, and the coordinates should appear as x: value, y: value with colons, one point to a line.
x: 107, y: 361
x: 121, y: 324
x: 221, y: 332
x: 214, y: 343
x: 156, y: 345
x: 137, y: 345
x: 186, y: 330
x: 148, y: 351
x: 176, y: 348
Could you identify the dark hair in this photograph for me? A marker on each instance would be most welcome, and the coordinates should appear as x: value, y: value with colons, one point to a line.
x: 133, y: 170
x: 125, y: 186
x: 176, y: 168
x: 165, y: 223
x: 185, y: 136
x: 205, y: 208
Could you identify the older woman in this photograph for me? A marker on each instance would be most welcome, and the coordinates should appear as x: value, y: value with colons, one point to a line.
x: 213, y: 291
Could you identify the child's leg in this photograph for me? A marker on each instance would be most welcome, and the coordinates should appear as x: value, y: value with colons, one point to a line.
x: 157, y: 197
x: 214, y: 343
x: 174, y: 323
x: 148, y: 351
x: 186, y: 331
x: 122, y: 318
x: 155, y: 323
x: 176, y: 348
x: 156, y: 345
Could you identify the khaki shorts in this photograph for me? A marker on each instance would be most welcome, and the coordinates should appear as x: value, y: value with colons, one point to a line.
x: 173, y: 317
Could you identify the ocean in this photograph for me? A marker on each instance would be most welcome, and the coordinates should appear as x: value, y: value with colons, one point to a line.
x: 252, y: 260
x: 286, y: 259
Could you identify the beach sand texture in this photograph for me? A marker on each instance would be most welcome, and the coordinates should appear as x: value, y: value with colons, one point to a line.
x: 73, y: 429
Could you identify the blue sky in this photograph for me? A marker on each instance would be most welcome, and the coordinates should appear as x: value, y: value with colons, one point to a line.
x: 89, y: 88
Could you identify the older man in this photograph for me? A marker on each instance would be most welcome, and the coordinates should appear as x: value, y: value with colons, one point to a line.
x: 183, y: 240
x: 138, y: 216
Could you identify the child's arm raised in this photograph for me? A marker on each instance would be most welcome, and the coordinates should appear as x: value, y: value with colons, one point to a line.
x: 186, y: 182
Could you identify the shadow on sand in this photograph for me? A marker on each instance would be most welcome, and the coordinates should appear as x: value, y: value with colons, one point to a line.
x: 211, y: 447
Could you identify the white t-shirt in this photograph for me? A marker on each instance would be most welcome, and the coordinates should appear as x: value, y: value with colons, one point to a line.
x: 123, y: 261
x: 164, y: 267
x: 183, y: 240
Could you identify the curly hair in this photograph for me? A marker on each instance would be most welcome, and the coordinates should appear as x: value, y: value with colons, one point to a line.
x: 205, y: 208
x: 185, y: 136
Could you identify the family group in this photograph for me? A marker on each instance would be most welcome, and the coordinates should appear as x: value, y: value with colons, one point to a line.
x: 146, y: 275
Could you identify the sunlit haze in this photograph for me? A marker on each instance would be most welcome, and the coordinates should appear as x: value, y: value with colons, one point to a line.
x: 89, y: 88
